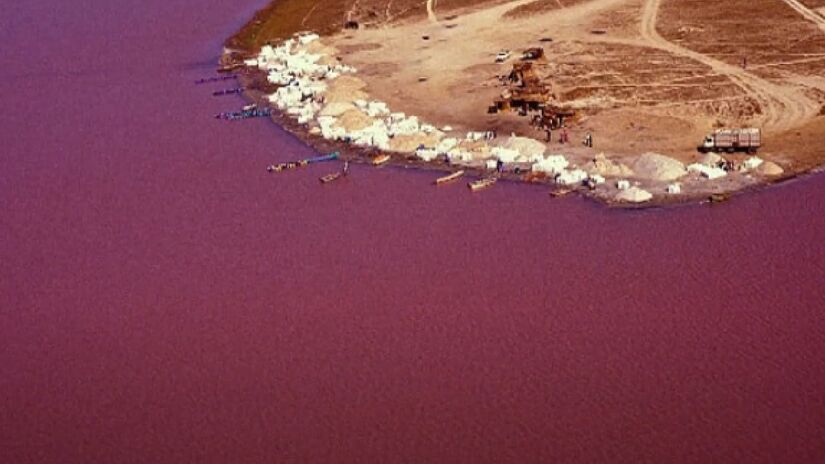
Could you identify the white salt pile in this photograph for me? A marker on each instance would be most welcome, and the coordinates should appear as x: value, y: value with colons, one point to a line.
x: 633, y: 195
x: 707, y: 172
x: 752, y: 163
x: 572, y: 177
x: 553, y: 164
x: 769, y: 168
x: 607, y: 168
x: 529, y: 149
x: 658, y: 167
x: 710, y: 159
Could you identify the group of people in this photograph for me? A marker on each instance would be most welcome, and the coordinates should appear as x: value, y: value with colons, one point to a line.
x: 564, y: 137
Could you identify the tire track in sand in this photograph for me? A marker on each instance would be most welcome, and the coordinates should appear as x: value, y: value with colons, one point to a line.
x: 782, y: 107
x: 807, y: 13
x: 431, y: 11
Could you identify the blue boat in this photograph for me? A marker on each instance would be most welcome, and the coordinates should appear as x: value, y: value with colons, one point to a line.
x: 304, y: 162
x: 332, y: 156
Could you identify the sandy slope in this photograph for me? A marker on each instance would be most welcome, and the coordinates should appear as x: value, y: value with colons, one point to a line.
x: 431, y: 11
x: 806, y: 12
x: 457, y: 62
x: 783, y: 107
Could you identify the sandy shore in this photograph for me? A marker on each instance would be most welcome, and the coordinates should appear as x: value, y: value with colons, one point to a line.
x: 598, y: 172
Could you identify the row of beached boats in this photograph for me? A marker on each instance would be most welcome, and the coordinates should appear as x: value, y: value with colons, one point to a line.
x: 478, y: 184
x: 232, y: 91
x: 333, y: 176
x: 474, y: 185
x: 301, y: 163
x: 377, y: 161
x: 207, y: 80
x: 246, y: 113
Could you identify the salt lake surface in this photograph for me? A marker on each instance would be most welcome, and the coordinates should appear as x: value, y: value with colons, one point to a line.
x: 163, y: 299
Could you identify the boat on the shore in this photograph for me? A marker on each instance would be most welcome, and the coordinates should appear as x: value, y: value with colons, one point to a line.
x: 482, y: 183
x: 230, y: 67
x: 534, y: 177
x: 330, y: 177
x: 206, y: 80
x: 232, y: 91
x: 719, y: 197
x: 560, y: 192
x: 246, y: 113
x: 449, y: 178
x: 380, y: 159
x: 299, y: 164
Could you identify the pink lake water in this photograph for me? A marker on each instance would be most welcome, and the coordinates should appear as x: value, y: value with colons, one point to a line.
x: 165, y: 300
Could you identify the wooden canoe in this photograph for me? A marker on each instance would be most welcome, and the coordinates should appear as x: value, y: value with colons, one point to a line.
x: 719, y: 197
x: 449, y: 178
x: 380, y: 159
x: 330, y: 177
x: 482, y: 183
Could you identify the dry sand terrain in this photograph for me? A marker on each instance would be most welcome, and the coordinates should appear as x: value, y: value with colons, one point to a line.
x: 645, y: 75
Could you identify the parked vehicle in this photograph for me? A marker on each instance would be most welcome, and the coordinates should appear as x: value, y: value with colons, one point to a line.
x: 731, y: 140
x: 502, y: 56
x: 534, y: 53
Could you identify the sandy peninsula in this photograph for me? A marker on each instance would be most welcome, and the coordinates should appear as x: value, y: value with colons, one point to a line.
x: 642, y: 78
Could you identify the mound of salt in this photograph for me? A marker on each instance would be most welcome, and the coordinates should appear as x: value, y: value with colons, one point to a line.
x: 527, y: 147
x: 337, y: 108
x: 349, y: 82
x: 553, y: 164
x: 769, y: 168
x: 633, y: 195
x: 318, y: 48
x: 608, y: 168
x: 408, y: 143
x: 710, y: 159
x: 338, y: 95
x: 658, y: 167
x: 354, y: 120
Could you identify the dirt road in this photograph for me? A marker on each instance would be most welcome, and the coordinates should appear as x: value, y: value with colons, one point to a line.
x: 431, y: 11
x: 807, y: 13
